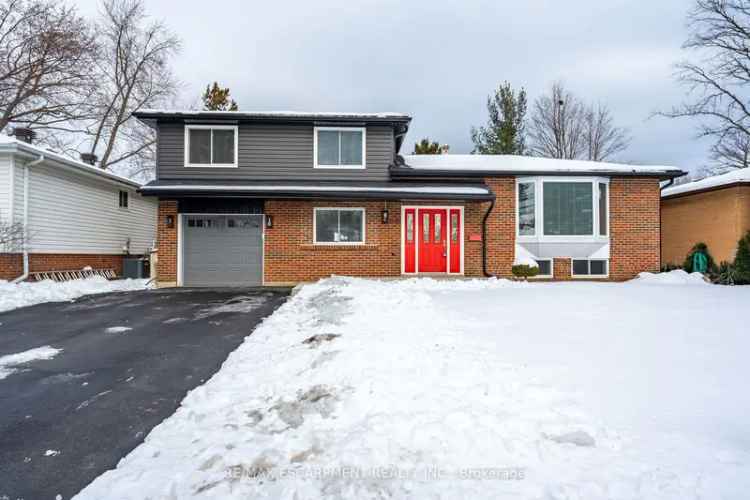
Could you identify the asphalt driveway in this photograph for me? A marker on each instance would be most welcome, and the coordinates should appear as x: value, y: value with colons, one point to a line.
x: 127, y: 361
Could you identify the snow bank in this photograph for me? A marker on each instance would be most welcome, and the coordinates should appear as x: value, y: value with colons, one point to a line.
x: 13, y: 296
x: 9, y: 362
x: 466, y: 389
x: 676, y: 277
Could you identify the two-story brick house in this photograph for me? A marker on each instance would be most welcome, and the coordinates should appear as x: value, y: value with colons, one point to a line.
x: 280, y: 198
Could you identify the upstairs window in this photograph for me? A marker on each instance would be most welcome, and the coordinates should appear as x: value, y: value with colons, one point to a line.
x: 339, y: 147
x: 210, y: 146
x: 123, y: 199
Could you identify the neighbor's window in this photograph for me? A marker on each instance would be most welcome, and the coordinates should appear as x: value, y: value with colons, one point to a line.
x: 339, y: 225
x: 211, y: 146
x: 123, y: 199
x: 526, y: 209
x: 340, y: 147
x: 568, y: 209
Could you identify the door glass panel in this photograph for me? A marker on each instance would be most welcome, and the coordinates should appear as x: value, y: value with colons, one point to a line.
x: 426, y: 228
x: 410, y: 227
x: 454, y: 227
x: 437, y: 227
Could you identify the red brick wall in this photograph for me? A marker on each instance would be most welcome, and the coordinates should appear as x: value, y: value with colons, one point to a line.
x: 166, y: 242
x: 290, y: 255
x: 501, y: 232
x: 634, y: 226
x: 562, y: 270
x: 11, y: 265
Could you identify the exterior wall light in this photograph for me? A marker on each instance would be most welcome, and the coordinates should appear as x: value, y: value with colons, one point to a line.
x: 169, y: 221
x: 269, y: 222
x: 385, y: 216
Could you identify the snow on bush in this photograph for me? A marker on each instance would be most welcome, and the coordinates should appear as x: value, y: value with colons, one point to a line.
x: 13, y: 296
x: 466, y: 389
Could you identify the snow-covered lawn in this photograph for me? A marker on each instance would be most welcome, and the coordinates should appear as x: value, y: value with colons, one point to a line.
x: 476, y: 389
x: 13, y: 296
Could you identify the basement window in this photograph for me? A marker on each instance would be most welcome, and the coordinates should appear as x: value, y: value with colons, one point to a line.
x: 594, y: 268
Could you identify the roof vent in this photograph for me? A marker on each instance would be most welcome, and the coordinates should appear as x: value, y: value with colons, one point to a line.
x: 89, y: 158
x: 24, y: 134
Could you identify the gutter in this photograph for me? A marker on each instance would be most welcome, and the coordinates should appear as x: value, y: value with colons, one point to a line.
x: 405, y: 172
x: 484, y: 240
x: 26, y: 218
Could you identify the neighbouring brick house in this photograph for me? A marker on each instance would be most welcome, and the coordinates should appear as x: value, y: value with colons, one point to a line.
x: 715, y: 211
x: 281, y: 198
x: 69, y: 214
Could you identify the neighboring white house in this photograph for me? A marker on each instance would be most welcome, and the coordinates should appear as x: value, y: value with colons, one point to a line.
x: 74, y: 214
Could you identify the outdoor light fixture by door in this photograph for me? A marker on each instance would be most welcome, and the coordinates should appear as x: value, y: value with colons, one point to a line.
x: 385, y: 216
x: 269, y: 222
x: 169, y: 221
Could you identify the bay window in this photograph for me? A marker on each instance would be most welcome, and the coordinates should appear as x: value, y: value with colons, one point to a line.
x: 554, y: 208
x: 341, y: 226
x: 339, y: 147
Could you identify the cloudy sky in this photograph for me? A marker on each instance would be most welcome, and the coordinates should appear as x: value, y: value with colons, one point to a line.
x: 438, y: 60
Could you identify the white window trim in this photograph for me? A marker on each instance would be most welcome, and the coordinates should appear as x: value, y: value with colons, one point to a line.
x: 539, y: 235
x: 340, y: 129
x: 551, y: 270
x: 339, y: 243
x: 188, y: 128
x: 589, y: 276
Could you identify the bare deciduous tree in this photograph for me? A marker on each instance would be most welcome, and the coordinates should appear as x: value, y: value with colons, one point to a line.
x: 563, y: 126
x: 46, y: 53
x: 602, y: 138
x: 718, y: 76
x: 133, y: 73
x: 557, y: 124
x: 12, y: 236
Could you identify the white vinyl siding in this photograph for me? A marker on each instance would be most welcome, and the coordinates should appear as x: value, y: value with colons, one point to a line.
x: 5, y: 190
x: 73, y: 213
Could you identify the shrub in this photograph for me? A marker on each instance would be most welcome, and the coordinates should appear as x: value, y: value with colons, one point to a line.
x: 699, y: 247
x: 669, y: 267
x: 727, y: 274
x: 524, y: 271
x: 742, y: 261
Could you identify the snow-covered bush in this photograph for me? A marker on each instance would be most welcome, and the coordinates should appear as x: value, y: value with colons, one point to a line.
x: 525, y: 270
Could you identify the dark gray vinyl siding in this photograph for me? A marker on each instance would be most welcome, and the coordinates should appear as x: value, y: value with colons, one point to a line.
x: 274, y: 152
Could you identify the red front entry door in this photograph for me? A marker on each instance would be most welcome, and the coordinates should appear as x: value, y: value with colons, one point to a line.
x: 433, y: 248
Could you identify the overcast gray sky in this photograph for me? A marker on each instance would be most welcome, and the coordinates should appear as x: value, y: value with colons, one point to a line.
x: 439, y: 60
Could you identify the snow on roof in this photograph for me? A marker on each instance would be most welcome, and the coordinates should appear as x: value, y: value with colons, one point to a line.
x: 277, y: 114
x: 459, y: 190
x: 10, y: 143
x: 525, y: 164
x: 740, y: 175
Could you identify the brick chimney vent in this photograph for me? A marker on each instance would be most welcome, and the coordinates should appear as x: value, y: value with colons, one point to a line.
x: 24, y: 134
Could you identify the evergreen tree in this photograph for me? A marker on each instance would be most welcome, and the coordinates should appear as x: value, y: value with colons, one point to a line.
x: 425, y: 147
x: 216, y: 98
x: 742, y: 261
x: 505, y: 132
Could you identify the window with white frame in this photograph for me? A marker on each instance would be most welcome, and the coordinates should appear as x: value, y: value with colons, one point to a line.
x: 549, y: 207
x: 590, y: 267
x: 339, y: 147
x: 210, y: 146
x: 339, y: 226
x: 545, y: 268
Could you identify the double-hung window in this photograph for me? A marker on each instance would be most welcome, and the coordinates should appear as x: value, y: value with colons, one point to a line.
x: 340, y: 226
x: 210, y: 146
x: 339, y: 147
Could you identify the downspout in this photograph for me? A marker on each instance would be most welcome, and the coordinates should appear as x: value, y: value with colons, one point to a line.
x: 484, y: 240
x: 26, y: 218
